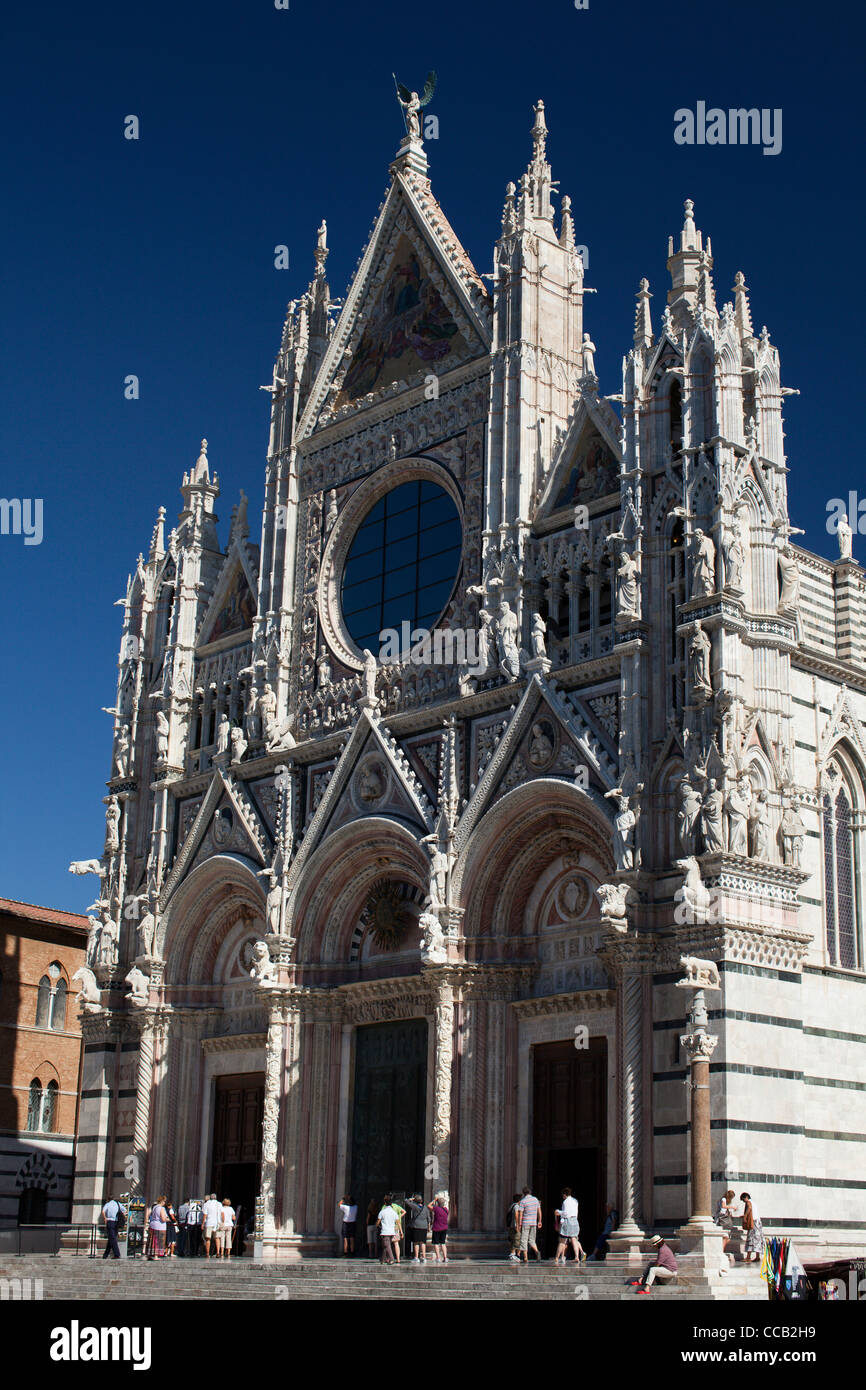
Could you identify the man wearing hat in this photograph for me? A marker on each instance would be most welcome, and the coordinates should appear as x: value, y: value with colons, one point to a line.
x: 664, y: 1267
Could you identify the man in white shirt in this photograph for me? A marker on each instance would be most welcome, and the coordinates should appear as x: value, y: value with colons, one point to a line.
x: 211, y: 1221
x: 349, y: 1212
x: 387, y: 1224
x: 111, y: 1212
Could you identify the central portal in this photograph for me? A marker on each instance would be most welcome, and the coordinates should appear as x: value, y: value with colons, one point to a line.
x: 389, y: 1112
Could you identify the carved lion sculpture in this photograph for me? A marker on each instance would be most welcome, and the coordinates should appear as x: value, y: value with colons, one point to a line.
x: 263, y: 971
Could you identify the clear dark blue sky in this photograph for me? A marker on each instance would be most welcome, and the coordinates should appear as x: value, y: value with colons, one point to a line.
x: 155, y: 257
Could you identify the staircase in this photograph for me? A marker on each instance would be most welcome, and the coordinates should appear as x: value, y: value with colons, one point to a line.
x: 76, y: 1277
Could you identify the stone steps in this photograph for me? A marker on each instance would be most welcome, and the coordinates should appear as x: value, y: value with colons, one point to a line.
x: 77, y: 1278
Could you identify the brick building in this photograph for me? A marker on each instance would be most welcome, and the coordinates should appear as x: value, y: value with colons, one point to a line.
x: 40, y: 1060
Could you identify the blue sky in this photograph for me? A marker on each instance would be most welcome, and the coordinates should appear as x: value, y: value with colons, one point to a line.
x: 155, y: 257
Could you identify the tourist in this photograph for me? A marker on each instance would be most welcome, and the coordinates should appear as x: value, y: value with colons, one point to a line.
x: 170, y: 1229
x: 419, y: 1228
x: 112, y: 1212
x: 399, y: 1212
x: 569, y: 1229
x: 193, y: 1228
x: 439, y: 1208
x: 611, y: 1221
x: 210, y: 1221
x: 349, y: 1213
x: 372, y: 1213
x: 726, y: 1209
x: 156, y: 1229
x: 386, y: 1223
x: 182, y: 1214
x: 529, y: 1216
x: 225, y: 1229
x: 664, y: 1267
x: 753, y: 1227
x: 512, y: 1222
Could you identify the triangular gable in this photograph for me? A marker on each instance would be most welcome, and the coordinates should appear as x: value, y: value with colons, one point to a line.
x: 416, y: 305
x: 587, y: 464
x: 221, y: 789
x: 233, y: 606
x: 368, y: 732
x: 843, y: 724
x: 537, y: 695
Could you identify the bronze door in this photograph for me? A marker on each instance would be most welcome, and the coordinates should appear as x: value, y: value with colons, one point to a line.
x: 389, y: 1113
x: 569, y: 1138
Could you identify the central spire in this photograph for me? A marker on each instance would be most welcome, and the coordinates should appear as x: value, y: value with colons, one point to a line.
x: 536, y: 185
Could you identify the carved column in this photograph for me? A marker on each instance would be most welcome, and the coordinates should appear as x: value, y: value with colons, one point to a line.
x: 146, y: 1021
x: 266, y: 1209
x: 625, y: 958
x: 701, y: 1238
x: 442, y: 1079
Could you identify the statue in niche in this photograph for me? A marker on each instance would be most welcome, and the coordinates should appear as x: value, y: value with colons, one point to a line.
x: 331, y: 516
x: 789, y: 598
x: 712, y: 825
x: 267, y: 711
x: 121, y: 752
x: 627, y: 587
x: 703, y: 554
x: 112, y: 826
x: 734, y: 556
x: 323, y: 667
x: 371, y: 782
x: 162, y: 732
x: 688, y: 813
x: 540, y: 744
x: 759, y: 824
x: 699, y: 664
x: 539, y: 628
x: 737, y: 806
x: 506, y: 632
x: 223, y: 732
x: 793, y: 832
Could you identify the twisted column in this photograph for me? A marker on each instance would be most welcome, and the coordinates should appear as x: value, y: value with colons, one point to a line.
x: 266, y: 1208
x: 624, y: 955
x: 143, y: 1089
x: 444, y: 1058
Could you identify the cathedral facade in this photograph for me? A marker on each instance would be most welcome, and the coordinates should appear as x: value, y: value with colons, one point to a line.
x: 416, y: 805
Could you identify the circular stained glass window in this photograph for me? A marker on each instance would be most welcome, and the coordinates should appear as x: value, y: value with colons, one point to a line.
x: 402, y: 563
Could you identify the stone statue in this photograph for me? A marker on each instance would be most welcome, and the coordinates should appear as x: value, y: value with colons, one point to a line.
x: 692, y: 897
x: 486, y: 663
x: 588, y: 356
x: 845, y: 536
x: 703, y: 565
x: 162, y: 731
x: 239, y: 744
x: 251, y: 716
x: 106, y: 950
x: 793, y: 832
x: 506, y: 632
x: 370, y: 672
x: 223, y: 733
x: 627, y: 587
x: 699, y: 664
x: 146, y: 929
x: 433, y: 948
x: 759, y: 824
x: 734, y: 557
x: 539, y: 628
x: 323, y: 667
x: 436, y: 846
x: 139, y: 986
x: 711, y: 819
x: 612, y: 899
x: 737, y: 803
x: 89, y: 997
x: 272, y: 905
x: 87, y: 866
x: 688, y: 812
x: 267, y: 710
x: 331, y: 515
x: 112, y: 825
x: 412, y: 104
x: 789, y: 598
x: 624, y: 823
x: 700, y: 974
x: 121, y: 752
x: 263, y: 971
x: 540, y: 746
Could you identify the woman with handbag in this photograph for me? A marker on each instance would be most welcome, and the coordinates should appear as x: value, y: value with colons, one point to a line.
x: 753, y: 1227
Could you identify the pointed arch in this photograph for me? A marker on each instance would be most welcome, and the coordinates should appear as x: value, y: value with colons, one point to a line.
x: 842, y: 818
